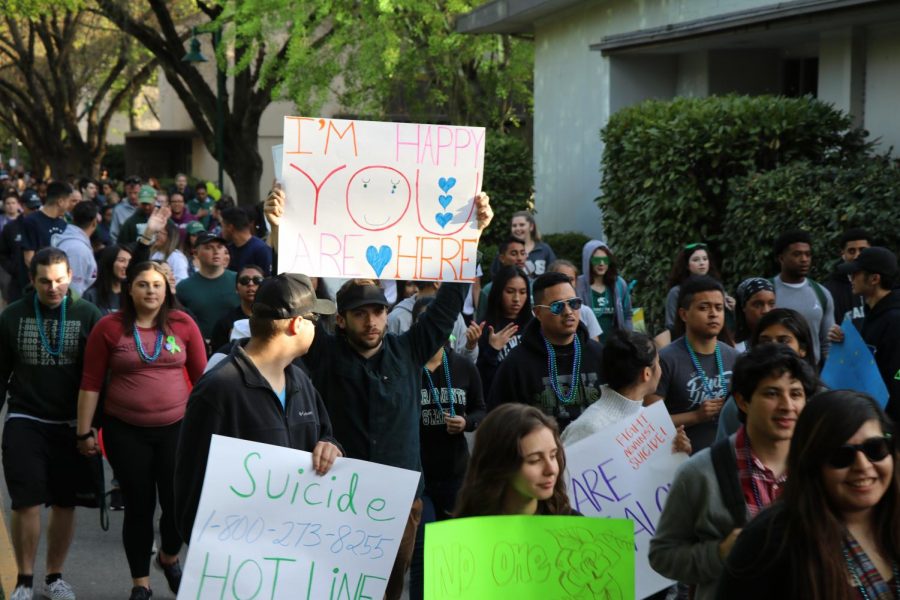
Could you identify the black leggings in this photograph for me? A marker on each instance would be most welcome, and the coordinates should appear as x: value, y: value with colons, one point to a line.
x: 143, y: 459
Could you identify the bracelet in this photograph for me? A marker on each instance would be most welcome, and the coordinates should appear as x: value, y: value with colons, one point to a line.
x: 85, y: 436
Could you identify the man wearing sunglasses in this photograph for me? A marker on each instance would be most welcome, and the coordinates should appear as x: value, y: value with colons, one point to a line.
x: 720, y: 488
x: 257, y: 394
x: 556, y: 367
x: 873, y: 275
x: 248, y: 281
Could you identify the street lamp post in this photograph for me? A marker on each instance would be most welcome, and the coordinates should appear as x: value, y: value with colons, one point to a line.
x: 195, y: 56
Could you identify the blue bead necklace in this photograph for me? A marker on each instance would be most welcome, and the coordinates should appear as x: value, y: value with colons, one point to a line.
x: 60, y: 332
x: 554, y: 371
x: 435, y: 394
x: 140, y: 347
x: 707, y: 386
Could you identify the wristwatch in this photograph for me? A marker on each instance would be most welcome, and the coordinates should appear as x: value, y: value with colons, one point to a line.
x: 85, y: 436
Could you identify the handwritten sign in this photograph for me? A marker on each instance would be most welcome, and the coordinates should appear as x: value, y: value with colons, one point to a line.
x: 625, y: 471
x: 529, y: 558
x: 380, y: 200
x: 269, y: 527
x: 851, y: 366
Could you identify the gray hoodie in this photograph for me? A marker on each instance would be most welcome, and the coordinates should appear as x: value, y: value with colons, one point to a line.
x: 77, y: 246
x: 620, y: 293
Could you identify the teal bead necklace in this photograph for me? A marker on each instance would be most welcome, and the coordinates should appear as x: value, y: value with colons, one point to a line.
x: 707, y: 385
x: 140, y: 347
x: 60, y: 332
x: 554, y: 371
x: 435, y: 394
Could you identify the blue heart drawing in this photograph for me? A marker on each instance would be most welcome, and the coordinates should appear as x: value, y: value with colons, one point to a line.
x: 443, y: 218
x: 379, y: 258
x: 445, y: 200
x: 446, y: 184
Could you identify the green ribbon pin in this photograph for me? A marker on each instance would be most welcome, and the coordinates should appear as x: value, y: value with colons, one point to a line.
x: 172, y: 345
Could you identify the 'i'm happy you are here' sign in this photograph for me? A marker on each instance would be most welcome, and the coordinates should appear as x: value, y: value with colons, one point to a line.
x: 380, y: 200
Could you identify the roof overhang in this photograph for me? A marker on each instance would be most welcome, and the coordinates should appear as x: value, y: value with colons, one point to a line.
x: 783, y: 13
x: 510, y: 16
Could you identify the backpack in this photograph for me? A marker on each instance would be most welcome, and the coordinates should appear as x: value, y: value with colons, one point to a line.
x: 729, y: 484
x: 820, y: 293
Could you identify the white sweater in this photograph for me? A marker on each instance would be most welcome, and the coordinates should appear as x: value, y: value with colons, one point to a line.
x: 609, y: 408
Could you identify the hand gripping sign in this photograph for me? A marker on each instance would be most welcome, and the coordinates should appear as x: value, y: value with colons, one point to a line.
x: 380, y: 200
x: 269, y: 527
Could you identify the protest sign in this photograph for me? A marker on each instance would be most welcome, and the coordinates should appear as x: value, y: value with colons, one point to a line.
x: 527, y: 558
x: 851, y: 366
x: 625, y: 471
x: 269, y: 527
x: 380, y: 200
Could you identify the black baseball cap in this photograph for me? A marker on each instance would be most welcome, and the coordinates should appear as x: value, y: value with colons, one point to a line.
x: 31, y: 199
x: 872, y: 260
x: 355, y: 296
x: 206, y: 237
x: 289, y: 295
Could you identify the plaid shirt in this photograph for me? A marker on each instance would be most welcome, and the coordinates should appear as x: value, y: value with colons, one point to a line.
x: 758, y: 482
x: 868, y: 582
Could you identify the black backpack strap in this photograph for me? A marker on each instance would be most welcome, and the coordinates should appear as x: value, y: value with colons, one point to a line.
x: 729, y: 486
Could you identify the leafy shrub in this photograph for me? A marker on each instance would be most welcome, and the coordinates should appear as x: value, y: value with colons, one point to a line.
x: 567, y: 245
x: 508, y: 180
x: 668, y: 168
x: 822, y: 199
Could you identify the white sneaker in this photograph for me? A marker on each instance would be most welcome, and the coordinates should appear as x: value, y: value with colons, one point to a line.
x: 59, y: 590
x: 21, y: 593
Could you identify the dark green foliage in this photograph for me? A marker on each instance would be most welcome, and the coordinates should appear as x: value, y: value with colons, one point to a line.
x: 823, y: 199
x: 508, y: 178
x: 114, y: 161
x: 668, y: 168
x: 567, y: 245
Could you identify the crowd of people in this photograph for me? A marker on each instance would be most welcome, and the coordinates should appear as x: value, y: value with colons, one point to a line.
x: 140, y: 324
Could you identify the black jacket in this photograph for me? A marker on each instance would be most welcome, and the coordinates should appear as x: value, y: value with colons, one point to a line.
x: 234, y: 400
x: 881, y: 331
x: 374, y: 402
x: 524, y: 377
x: 844, y: 299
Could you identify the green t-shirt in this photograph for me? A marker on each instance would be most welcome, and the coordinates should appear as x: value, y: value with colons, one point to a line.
x: 195, y: 205
x: 605, y: 311
x: 208, y: 300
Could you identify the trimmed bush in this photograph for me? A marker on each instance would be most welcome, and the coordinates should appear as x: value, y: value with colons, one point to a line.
x: 508, y: 178
x: 668, y: 169
x: 567, y: 245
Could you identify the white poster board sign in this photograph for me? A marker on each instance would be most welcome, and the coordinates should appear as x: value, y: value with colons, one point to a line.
x: 269, y: 527
x: 625, y: 471
x: 380, y: 200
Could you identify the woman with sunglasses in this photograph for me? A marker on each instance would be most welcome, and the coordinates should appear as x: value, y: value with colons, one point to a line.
x: 148, y: 355
x: 247, y: 283
x: 693, y: 259
x: 835, y: 532
x: 601, y: 288
x: 508, y: 312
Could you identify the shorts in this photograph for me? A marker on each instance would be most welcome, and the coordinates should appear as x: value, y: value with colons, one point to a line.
x: 40, y: 462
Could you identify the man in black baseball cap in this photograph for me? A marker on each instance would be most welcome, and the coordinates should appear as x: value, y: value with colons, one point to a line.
x: 257, y: 394
x: 873, y: 275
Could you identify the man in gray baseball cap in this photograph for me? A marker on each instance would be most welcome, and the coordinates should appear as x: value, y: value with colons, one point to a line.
x: 257, y: 394
x: 873, y: 275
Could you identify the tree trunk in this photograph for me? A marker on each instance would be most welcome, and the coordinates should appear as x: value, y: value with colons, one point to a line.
x: 244, y: 165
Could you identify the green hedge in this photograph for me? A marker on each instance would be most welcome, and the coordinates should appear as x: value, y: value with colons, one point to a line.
x: 508, y: 179
x: 567, y: 245
x: 823, y: 199
x: 668, y: 169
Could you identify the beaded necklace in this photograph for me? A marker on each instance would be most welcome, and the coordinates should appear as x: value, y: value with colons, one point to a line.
x: 707, y: 386
x: 60, y: 332
x: 140, y: 347
x: 434, y: 392
x: 852, y: 568
x: 554, y: 374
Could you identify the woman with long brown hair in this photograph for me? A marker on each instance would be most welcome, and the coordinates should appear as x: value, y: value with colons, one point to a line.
x: 153, y: 354
x: 835, y: 532
x: 516, y: 467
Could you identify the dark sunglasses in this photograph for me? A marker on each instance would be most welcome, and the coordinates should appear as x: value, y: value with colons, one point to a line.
x: 875, y: 449
x: 557, y: 307
x: 247, y: 280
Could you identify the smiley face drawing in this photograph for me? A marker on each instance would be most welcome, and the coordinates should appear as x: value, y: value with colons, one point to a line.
x: 378, y: 197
